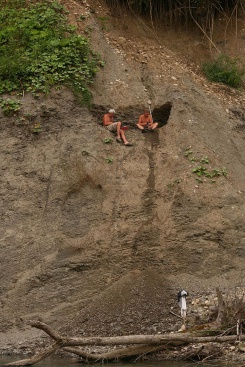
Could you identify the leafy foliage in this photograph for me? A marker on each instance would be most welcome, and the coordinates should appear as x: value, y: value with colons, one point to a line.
x: 9, y: 106
x: 108, y: 140
x: 225, y: 70
x: 38, y: 50
x: 201, y: 172
x: 109, y: 159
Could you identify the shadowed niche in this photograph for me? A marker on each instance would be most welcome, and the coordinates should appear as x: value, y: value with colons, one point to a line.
x: 161, y: 114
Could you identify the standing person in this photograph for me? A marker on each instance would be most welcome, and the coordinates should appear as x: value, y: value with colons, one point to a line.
x: 115, y: 127
x: 146, y: 123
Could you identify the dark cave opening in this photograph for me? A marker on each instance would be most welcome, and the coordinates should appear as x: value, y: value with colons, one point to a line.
x: 161, y: 114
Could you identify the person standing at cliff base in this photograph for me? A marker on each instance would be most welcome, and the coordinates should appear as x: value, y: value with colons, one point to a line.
x: 115, y: 127
x: 146, y: 123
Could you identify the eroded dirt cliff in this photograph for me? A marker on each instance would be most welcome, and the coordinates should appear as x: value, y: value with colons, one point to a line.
x: 97, y: 237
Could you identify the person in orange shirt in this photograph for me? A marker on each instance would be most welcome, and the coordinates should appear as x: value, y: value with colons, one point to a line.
x: 115, y: 127
x: 146, y: 123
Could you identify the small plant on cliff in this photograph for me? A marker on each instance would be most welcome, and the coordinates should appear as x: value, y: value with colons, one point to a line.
x: 202, y: 171
x: 170, y: 185
x: 109, y: 159
x: 37, y: 128
x: 226, y: 70
x: 204, y: 160
x: 104, y: 23
x: 9, y: 106
x: 108, y: 140
x: 39, y: 50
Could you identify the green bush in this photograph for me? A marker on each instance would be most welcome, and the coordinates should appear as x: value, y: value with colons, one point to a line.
x: 38, y: 50
x: 226, y: 70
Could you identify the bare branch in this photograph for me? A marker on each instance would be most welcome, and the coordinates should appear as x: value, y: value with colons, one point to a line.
x: 36, y: 358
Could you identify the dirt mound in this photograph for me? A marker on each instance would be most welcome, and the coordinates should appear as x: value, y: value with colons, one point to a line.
x: 138, y: 303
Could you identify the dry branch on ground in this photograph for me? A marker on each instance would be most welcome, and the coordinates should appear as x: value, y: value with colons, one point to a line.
x: 138, y: 344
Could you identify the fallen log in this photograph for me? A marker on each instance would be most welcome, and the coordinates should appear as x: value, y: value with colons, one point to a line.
x: 133, y: 339
x: 140, y: 344
x: 116, y: 353
x: 36, y: 358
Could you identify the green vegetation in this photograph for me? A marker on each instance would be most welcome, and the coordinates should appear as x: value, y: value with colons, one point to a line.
x: 109, y: 159
x: 204, y: 160
x: 104, y: 23
x: 172, y: 184
x: 201, y: 171
x: 188, y: 152
x: 84, y: 152
x: 37, y: 128
x: 39, y: 50
x: 226, y: 70
x: 9, y: 106
x: 108, y: 140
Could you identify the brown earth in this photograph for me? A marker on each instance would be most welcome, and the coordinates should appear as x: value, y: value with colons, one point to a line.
x: 98, y: 238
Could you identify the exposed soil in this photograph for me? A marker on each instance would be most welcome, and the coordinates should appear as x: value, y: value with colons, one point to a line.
x: 98, y: 238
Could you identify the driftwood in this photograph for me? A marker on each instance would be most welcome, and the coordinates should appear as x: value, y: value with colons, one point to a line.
x: 36, y: 358
x: 200, y: 352
x: 116, y: 353
x: 140, y: 344
x: 131, y: 339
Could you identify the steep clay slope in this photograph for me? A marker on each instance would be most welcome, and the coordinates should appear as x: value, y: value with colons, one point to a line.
x: 105, y: 247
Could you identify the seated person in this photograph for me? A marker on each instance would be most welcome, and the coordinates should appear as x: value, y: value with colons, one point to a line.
x: 115, y: 127
x: 146, y: 123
